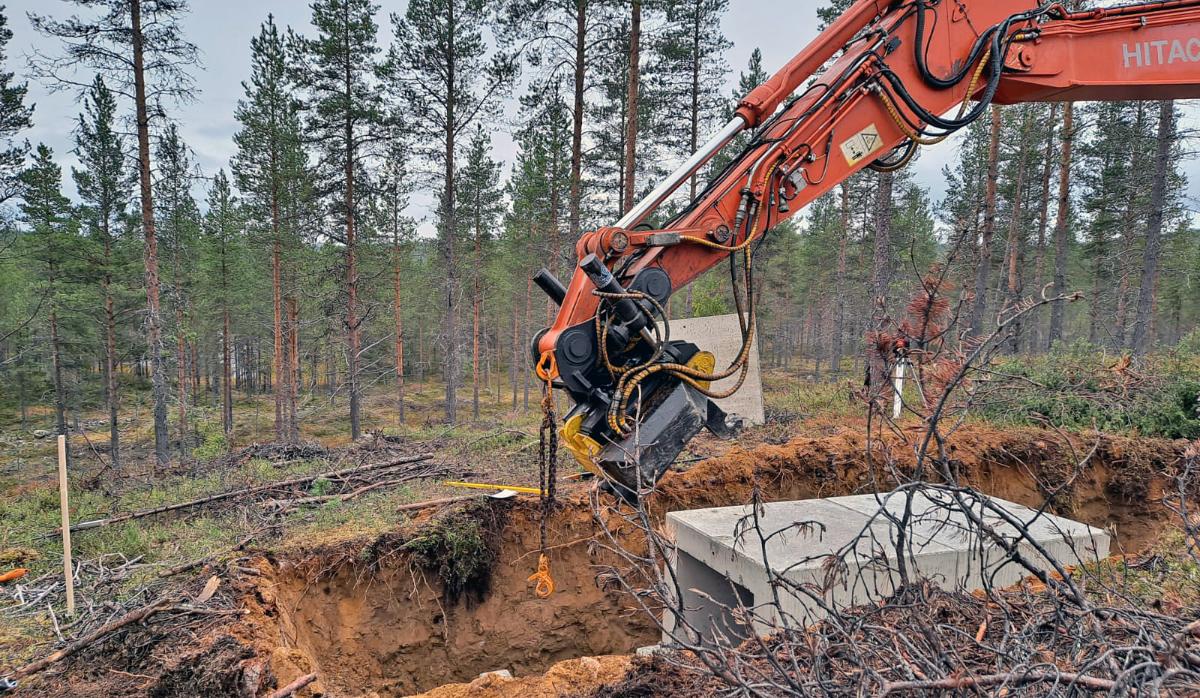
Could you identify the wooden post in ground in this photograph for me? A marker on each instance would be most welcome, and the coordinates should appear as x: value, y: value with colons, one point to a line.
x: 68, y: 567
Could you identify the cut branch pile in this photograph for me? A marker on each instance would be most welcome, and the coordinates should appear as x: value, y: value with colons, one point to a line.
x: 925, y: 641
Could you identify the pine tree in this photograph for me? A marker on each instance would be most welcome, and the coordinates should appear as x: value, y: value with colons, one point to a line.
x: 690, y: 53
x: 46, y: 213
x: 1108, y: 206
x: 440, y: 67
x: 395, y: 185
x: 481, y: 199
x: 983, y: 265
x: 221, y: 245
x: 343, y: 110
x: 629, y: 179
x: 1162, y: 170
x: 545, y: 135
x: 753, y: 76
x: 829, y: 14
x: 14, y: 118
x: 104, y: 186
x: 179, y: 219
x: 150, y: 64
x: 269, y: 155
x: 565, y: 39
x: 535, y: 215
x: 1062, y: 232
x: 620, y: 164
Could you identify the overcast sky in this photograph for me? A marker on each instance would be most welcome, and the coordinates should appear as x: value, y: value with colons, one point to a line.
x: 223, y: 28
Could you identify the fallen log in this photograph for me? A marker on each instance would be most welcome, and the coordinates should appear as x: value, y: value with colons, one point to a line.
x: 308, y: 479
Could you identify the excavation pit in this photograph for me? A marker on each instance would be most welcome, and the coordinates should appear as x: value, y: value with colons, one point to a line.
x: 368, y: 618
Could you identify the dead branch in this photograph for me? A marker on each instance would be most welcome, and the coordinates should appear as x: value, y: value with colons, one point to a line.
x: 294, y: 686
x: 416, y: 506
x: 282, y: 484
x: 188, y: 566
x: 1011, y: 678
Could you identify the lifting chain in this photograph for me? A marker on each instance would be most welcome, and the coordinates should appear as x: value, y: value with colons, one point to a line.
x: 547, y: 471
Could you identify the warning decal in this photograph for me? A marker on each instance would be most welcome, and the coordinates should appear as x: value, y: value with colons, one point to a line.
x: 862, y: 144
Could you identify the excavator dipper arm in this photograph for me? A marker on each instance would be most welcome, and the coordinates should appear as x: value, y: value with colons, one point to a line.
x: 884, y: 79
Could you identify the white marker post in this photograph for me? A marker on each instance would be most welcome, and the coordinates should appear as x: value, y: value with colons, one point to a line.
x: 898, y: 389
x: 68, y: 567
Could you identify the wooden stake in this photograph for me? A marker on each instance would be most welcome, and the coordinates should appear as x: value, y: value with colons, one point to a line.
x: 68, y: 567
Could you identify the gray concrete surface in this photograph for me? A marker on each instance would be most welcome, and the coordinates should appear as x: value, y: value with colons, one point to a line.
x: 720, y: 553
x: 722, y: 335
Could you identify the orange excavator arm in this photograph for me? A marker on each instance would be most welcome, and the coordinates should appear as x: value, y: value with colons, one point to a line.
x: 884, y: 79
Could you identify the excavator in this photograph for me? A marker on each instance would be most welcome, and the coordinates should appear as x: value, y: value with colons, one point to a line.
x: 887, y: 77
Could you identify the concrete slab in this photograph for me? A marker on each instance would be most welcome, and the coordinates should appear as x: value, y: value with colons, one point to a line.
x: 722, y: 335
x: 721, y: 558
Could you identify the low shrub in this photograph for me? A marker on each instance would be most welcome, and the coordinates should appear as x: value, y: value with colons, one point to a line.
x: 1080, y: 387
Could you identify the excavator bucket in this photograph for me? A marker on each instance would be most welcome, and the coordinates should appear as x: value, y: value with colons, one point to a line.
x: 675, y: 415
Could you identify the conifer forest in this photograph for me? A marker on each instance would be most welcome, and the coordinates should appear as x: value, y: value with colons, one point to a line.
x: 336, y: 352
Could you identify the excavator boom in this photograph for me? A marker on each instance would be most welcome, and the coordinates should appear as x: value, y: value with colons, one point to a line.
x: 881, y: 81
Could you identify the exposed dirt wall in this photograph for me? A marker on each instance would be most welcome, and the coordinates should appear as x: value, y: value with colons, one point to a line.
x: 381, y: 626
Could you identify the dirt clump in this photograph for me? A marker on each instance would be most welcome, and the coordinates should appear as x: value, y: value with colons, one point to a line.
x: 572, y: 677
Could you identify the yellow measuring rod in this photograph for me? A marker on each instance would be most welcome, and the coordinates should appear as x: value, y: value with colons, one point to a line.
x: 481, y: 486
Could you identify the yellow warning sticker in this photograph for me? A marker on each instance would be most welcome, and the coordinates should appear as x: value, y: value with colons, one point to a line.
x: 861, y: 145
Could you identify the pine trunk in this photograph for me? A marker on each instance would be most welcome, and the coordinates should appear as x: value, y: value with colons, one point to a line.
x: 984, y: 265
x: 181, y: 379
x: 476, y: 302
x: 629, y: 186
x: 277, y: 327
x: 195, y: 364
x: 293, y: 369
x: 516, y: 346
x: 449, y: 230
x: 1142, y: 336
x: 839, y: 283
x: 1016, y: 238
x: 352, y: 322
x: 162, y: 449
x: 1124, y: 263
x: 60, y: 389
x: 110, y: 356
x: 694, y: 131
x: 1039, y: 259
x: 580, y: 65
x: 399, y: 317
x: 525, y: 332
x: 226, y: 375
x: 881, y: 272
x: 1061, y: 234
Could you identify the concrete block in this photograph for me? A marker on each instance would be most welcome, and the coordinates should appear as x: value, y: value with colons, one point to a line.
x: 722, y: 335
x: 720, y: 558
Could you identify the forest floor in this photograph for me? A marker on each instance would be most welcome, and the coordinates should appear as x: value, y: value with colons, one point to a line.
x: 349, y: 578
